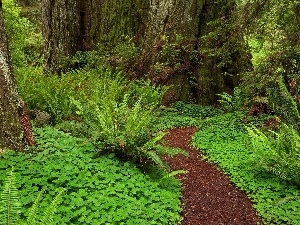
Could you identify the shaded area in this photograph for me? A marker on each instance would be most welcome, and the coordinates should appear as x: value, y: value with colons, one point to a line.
x: 208, y: 196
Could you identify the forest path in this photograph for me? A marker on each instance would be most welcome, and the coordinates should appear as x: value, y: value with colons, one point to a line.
x: 208, y: 196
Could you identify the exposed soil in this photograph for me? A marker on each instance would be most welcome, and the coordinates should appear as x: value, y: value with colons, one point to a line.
x: 208, y: 197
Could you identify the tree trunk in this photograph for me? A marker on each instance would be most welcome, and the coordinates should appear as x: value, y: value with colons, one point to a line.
x: 169, y: 34
x: 61, y: 31
x: 79, y: 25
x: 13, y: 118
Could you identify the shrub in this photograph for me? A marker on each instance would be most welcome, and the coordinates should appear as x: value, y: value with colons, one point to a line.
x: 123, y: 128
x: 18, y: 30
x: 25, y: 41
x: 235, y: 102
x: 280, y: 155
x: 51, y: 93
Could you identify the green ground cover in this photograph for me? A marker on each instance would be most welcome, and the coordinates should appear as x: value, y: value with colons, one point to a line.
x: 100, y: 189
x: 225, y: 141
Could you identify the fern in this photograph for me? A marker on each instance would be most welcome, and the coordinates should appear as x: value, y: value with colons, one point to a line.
x: 32, y: 217
x: 47, y: 218
x: 174, y: 173
x: 10, y: 205
x: 280, y: 156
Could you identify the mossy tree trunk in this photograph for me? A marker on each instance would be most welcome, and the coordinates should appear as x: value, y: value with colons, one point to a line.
x: 79, y: 25
x: 175, y: 38
x: 170, y: 39
x: 12, y: 116
x: 61, y: 31
x: 199, y: 38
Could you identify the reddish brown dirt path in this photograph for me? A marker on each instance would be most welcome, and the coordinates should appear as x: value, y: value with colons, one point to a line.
x: 208, y: 196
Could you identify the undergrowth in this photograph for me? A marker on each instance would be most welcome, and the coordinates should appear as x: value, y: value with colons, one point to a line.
x: 225, y: 141
x: 99, y: 189
x: 182, y: 114
x: 278, y: 152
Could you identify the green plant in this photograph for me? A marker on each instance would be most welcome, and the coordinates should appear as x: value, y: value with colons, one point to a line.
x: 122, y: 128
x: 231, y: 103
x: 10, y: 205
x: 182, y: 114
x: 227, y: 144
x: 100, y: 189
x: 280, y: 155
x: 25, y: 39
x: 47, y: 218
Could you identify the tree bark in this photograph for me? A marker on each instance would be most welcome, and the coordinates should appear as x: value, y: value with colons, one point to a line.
x: 154, y: 25
x: 11, y: 107
x: 79, y: 25
x: 61, y: 31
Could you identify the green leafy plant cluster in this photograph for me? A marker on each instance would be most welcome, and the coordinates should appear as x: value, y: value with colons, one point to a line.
x: 99, y: 189
x: 271, y: 32
x: 25, y: 41
x: 121, y: 124
x: 182, y: 114
x: 232, y: 103
x: 18, y: 30
x: 281, y: 155
x: 10, y: 206
x: 52, y: 93
x: 227, y: 144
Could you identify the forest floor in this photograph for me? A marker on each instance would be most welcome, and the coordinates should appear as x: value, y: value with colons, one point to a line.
x: 208, y: 196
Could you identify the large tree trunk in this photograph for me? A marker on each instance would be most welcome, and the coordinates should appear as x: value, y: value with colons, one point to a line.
x: 61, y: 31
x: 201, y: 67
x: 15, y: 126
x: 79, y: 25
x: 169, y: 34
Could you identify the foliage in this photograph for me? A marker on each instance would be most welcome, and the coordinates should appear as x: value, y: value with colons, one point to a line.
x: 10, y: 211
x: 52, y: 93
x: 280, y: 155
x: 99, y: 189
x: 271, y: 29
x: 227, y: 144
x: 182, y: 114
x: 173, y: 55
x: 232, y: 103
x: 117, y: 114
x: 10, y: 206
x: 17, y: 30
x: 122, y: 127
x: 126, y: 52
x: 282, y: 102
x: 24, y: 41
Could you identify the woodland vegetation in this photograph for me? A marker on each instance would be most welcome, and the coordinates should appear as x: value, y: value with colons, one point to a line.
x: 88, y: 89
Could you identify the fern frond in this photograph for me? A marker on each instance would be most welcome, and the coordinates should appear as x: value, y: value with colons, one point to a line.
x: 285, y: 200
x: 157, y: 160
x: 47, y: 218
x: 150, y: 144
x: 31, y: 220
x: 10, y: 207
x: 170, y: 151
x: 175, y: 173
